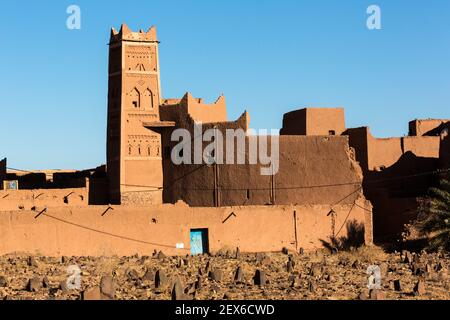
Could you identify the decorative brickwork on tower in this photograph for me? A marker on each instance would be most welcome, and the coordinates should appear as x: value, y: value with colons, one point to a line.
x: 134, y: 151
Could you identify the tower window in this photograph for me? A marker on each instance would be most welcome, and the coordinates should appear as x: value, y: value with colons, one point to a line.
x: 135, y: 96
x: 332, y: 133
x: 148, y: 98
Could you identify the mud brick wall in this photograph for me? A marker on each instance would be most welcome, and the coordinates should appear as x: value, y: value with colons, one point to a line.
x: 103, y: 231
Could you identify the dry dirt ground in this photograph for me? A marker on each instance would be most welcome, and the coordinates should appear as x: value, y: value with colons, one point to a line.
x: 317, y: 275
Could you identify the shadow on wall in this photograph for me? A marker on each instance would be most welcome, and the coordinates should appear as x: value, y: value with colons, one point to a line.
x: 98, y: 191
x: 355, y: 238
x: 2, y: 172
x: 394, y: 191
x: 439, y: 130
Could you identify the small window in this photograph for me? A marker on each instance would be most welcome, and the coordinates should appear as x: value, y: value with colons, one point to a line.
x: 11, y: 185
x: 248, y: 194
x: 332, y: 133
x: 135, y: 104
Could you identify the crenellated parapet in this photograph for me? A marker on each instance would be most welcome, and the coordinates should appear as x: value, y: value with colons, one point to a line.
x: 126, y: 34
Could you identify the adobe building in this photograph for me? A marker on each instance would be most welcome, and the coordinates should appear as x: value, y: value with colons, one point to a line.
x: 141, y: 201
x: 398, y: 171
x: 140, y: 124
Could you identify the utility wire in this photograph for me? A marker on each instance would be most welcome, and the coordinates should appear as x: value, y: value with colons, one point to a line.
x: 108, y: 233
x: 157, y: 189
x: 301, y: 187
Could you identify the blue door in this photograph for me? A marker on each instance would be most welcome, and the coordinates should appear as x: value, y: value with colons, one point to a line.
x: 199, y: 241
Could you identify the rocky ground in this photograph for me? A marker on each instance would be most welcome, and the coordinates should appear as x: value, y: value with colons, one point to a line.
x: 230, y: 275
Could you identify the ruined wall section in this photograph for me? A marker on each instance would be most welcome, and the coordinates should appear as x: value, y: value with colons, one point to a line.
x: 386, y: 164
x: 425, y: 127
x: 384, y: 153
x: 359, y: 142
x: 206, y: 113
x: 377, y: 154
x: 13, y: 200
x: 195, y: 108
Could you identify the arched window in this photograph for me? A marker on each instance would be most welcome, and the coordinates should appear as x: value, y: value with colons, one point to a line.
x: 148, y: 98
x: 135, y: 98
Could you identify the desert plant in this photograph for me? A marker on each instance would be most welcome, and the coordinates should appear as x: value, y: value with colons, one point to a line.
x: 434, y: 218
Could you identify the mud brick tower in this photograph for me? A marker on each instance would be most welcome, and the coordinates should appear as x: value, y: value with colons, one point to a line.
x: 134, y: 160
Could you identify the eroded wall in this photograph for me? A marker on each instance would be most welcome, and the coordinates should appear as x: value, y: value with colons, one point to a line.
x: 207, y: 113
x: 424, y: 127
x: 145, y: 229
x: 42, y: 198
x: 375, y: 154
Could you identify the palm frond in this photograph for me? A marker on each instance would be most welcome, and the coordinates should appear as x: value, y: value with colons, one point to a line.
x: 434, y: 219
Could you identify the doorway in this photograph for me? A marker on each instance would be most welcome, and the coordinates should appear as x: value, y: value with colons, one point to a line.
x: 199, y: 241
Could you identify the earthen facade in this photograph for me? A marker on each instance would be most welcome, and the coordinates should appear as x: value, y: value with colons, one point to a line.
x: 326, y: 172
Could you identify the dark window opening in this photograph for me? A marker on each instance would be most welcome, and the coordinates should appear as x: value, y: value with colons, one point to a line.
x: 332, y: 133
x: 248, y: 194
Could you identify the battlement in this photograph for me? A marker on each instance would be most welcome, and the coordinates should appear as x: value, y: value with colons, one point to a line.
x: 203, y: 112
x: 126, y: 34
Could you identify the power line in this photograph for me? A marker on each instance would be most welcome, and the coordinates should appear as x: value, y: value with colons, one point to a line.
x: 299, y: 187
x: 158, y: 189
x: 440, y: 171
x: 19, y: 170
x: 110, y: 234
x: 361, y: 207
x: 346, y: 219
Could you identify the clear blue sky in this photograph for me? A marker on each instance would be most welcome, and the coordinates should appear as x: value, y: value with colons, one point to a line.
x: 268, y: 57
